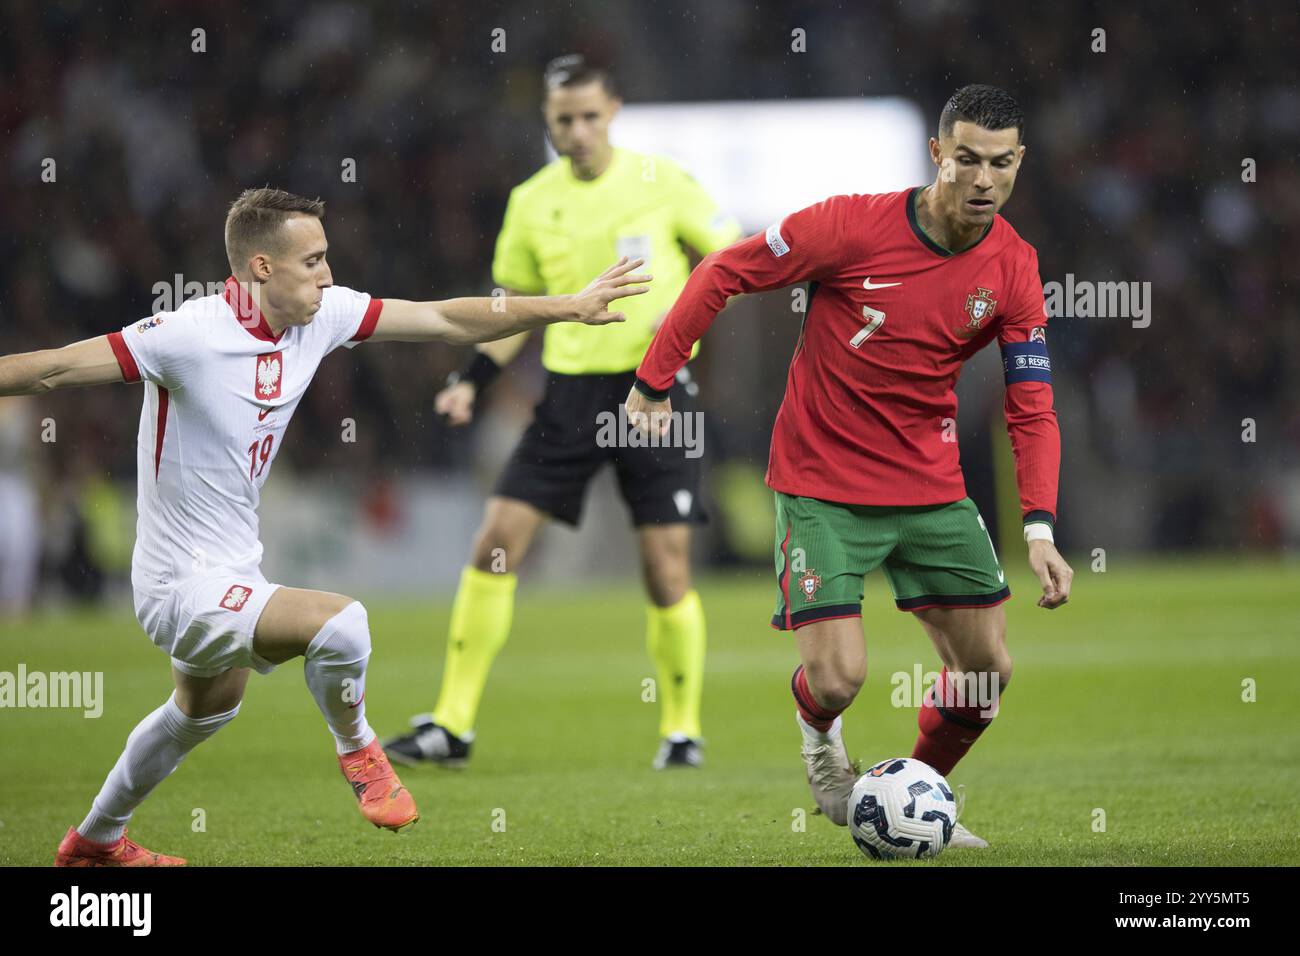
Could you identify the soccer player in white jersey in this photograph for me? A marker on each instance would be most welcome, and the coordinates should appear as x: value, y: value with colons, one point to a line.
x: 223, y: 375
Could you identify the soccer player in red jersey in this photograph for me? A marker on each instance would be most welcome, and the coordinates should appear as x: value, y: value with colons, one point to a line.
x: 904, y: 288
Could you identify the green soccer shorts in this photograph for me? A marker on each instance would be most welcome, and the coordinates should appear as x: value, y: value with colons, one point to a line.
x: 933, y: 555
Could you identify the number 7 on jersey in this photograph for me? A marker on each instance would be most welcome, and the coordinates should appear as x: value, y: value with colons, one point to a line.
x: 875, y: 318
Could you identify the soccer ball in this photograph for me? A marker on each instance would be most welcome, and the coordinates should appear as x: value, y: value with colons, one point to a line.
x: 902, y: 809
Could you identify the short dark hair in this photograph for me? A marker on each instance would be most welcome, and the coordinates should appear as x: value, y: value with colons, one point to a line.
x: 254, y: 221
x: 574, y: 69
x: 985, y: 106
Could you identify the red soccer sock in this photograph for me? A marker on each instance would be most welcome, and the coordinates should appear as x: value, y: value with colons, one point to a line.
x: 947, y: 732
x: 813, y: 713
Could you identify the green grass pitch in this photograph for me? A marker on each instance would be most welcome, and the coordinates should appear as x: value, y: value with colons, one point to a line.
x: 1128, y: 700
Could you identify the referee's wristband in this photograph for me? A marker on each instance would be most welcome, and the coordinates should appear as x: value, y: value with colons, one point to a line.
x: 478, y: 373
x: 651, y: 393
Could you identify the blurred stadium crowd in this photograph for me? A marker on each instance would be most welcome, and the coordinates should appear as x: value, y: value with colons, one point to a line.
x: 1133, y: 173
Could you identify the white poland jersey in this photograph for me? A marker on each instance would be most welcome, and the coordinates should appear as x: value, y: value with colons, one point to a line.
x: 220, y: 389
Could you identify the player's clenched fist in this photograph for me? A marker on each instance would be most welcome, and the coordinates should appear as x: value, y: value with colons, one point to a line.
x: 457, y: 403
x: 648, y: 416
x: 1053, y: 573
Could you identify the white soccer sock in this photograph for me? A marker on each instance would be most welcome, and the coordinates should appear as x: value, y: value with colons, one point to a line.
x: 153, y: 750
x: 815, y: 736
x: 336, y: 675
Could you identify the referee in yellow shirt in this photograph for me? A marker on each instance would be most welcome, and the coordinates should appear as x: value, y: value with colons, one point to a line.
x: 561, y: 226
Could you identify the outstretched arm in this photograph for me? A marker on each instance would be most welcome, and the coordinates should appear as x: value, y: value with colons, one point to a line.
x: 504, y: 351
x: 464, y: 321
x: 89, y: 362
x: 809, y: 244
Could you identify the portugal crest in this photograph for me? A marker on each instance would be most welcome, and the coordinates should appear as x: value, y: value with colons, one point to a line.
x: 809, y: 583
x: 980, y: 305
x: 269, y: 369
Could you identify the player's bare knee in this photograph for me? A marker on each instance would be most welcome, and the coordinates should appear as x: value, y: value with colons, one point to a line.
x: 834, y: 687
x: 978, y: 661
x: 201, y: 698
x: 1003, y: 668
x: 996, y: 663
x: 838, y: 693
x: 227, y: 708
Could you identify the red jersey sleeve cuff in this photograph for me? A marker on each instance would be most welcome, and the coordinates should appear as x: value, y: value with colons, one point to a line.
x: 654, y: 394
x: 369, y: 320
x: 125, y: 360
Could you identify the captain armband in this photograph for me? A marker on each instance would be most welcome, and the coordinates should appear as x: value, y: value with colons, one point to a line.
x: 1026, y: 362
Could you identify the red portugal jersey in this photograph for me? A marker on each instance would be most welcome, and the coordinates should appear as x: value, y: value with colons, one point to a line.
x: 869, y: 415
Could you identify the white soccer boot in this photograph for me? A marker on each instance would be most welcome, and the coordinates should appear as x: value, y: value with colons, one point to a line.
x: 963, y: 839
x: 830, y: 774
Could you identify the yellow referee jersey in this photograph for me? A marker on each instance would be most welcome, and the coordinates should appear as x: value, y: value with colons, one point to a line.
x: 560, y: 232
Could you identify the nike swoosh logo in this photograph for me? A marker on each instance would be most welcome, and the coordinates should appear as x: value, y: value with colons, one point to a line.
x: 261, y: 416
x: 1002, y: 577
x: 868, y: 284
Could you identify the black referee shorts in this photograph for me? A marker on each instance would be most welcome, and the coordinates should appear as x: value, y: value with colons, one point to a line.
x: 570, y: 439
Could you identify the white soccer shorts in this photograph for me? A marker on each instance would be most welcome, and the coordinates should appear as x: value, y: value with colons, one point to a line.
x: 206, y: 622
